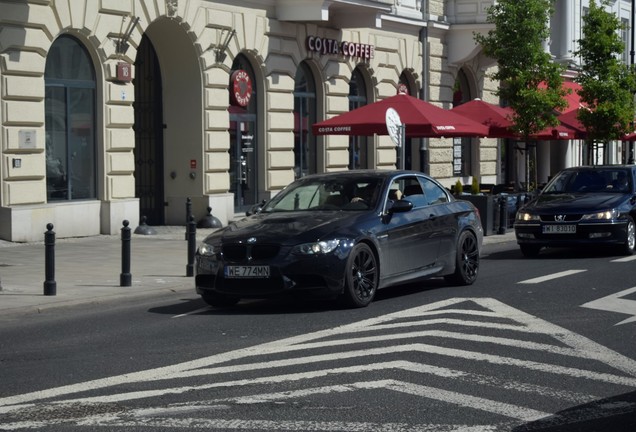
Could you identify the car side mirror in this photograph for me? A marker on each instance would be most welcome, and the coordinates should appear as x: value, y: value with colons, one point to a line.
x: 401, y: 206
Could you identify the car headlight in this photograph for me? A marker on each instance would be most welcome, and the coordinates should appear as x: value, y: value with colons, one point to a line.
x: 602, y: 215
x: 317, y: 248
x: 527, y: 217
x: 206, y: 249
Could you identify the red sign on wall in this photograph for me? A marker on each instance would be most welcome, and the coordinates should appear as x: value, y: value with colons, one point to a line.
x: 241, y: 88
x: 124, y: 72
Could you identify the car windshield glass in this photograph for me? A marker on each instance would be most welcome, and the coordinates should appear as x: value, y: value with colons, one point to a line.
x: 327, y: 193
x: 611, y: 180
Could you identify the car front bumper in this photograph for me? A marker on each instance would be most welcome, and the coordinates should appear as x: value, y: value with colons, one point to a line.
x: 593, y: 233
x: 321, y: 276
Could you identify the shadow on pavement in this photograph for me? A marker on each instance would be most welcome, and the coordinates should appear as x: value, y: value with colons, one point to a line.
x: 293, y: 304
x: 614, y: 414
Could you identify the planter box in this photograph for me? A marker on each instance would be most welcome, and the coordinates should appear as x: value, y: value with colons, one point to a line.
x: 486, y: 206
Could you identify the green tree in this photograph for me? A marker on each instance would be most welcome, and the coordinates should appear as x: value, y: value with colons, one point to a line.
x: 529, y: 81
x: 607, y: 83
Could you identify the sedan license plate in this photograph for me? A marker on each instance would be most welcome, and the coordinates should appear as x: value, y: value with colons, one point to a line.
x: 559, y: 229
x: 261, y: 271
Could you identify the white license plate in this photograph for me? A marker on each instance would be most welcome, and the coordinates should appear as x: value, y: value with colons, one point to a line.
x: 246, y: 271
x: 559, y: 229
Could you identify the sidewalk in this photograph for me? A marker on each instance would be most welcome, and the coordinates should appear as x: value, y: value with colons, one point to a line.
x: 87, y: 269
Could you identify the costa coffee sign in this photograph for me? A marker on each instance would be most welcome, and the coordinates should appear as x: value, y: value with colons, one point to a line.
x: 348, y: 49
x: 241, y: 88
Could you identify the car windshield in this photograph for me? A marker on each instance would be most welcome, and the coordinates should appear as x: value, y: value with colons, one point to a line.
x: 610, y: 180
x: 341, y: 193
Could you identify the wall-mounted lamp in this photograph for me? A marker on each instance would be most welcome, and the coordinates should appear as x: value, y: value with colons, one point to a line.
x: 220, y: 50
x: 121, y: 45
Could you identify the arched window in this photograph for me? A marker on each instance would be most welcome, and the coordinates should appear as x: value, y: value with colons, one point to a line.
x: 304, y: 117
x: 69, y: 80
x: 358, y: 156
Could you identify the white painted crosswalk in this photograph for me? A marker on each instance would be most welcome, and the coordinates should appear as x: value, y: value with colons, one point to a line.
x: 475, y: 354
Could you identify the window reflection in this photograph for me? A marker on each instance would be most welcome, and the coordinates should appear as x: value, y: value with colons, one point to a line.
x: 304, y: 117
x: 69, y: 122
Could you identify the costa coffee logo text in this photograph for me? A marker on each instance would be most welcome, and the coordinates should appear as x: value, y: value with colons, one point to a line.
x: 241, y: 88
x: 348, y: 49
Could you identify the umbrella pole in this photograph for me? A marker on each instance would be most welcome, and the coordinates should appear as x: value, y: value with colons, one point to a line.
x: 402, y: 129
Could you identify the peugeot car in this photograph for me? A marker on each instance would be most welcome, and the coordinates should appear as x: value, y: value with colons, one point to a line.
x: 583, y: 206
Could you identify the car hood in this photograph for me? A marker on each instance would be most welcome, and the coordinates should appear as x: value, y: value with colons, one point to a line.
x: 576, y: 202
x: 289, y: 227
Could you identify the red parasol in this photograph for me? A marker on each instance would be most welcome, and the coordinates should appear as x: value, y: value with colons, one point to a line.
x: 421, y: 119
x: 496, y: 118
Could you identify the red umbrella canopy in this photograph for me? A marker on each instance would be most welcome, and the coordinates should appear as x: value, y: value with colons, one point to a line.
x: 629, y: 137
x: 496, y: 118
x: 421, y: 119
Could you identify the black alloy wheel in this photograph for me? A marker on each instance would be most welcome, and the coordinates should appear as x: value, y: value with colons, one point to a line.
x: 630, y: 240
x: 467, y: 260
x: 361, y: 278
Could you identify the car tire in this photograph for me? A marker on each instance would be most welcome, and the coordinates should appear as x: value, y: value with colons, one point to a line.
x: 530, y: 251
x: 361, y: 277
x: 219, y: 300
x: 630, y: 241
x: 466, y: 260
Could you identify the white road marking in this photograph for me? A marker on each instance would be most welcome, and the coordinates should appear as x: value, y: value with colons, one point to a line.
x: 438, y: 394
x: 414, y: 323
x: 625, y: 259
x: 192, y: 312
x: 615, y: 303
x: 551, y: 276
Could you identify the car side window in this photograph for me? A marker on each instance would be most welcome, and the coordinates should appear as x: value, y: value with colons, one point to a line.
x: 413, y: 192
x: 434, y: 193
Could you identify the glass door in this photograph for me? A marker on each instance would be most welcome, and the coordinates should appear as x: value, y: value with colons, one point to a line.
x: 243, y: 161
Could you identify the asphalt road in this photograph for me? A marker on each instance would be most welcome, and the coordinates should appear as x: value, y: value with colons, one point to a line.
x: 540, y: 344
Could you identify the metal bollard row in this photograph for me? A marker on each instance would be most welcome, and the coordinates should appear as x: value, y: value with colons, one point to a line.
x: 125, y: 277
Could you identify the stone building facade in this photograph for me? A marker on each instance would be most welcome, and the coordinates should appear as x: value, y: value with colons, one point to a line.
x: 117, y: 110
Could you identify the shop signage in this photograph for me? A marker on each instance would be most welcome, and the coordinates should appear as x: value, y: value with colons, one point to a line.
x: 348, y: 49
x: 241, y: 88
x: 124, y: 72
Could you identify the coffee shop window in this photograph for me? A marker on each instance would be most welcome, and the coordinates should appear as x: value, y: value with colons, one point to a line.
x: 358, y: 154
x: 69, y: 105
x: 304, y: 116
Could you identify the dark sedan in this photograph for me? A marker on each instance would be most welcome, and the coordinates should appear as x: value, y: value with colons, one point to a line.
x: 582, y: 206
x: 344, y: 234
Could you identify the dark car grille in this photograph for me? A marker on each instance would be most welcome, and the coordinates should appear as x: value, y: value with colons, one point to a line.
x: 561, y: 218
x: 239, y: 252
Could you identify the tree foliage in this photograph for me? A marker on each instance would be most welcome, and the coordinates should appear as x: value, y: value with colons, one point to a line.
x: 529, y: 81
x: 607, y: 83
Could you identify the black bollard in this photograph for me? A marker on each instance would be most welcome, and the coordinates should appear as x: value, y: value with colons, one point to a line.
x: 503, y: 214
x: 188, y: 216
x: 192, y: 246
x: 50, y: 286
x: 209, y: 221
x: 125, y: 278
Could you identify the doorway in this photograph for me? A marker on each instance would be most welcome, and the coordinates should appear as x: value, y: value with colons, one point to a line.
x: 148, y: 106
x: 243, y: 160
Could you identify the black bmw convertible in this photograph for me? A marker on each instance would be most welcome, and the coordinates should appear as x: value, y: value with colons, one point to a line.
x: 342, y: 235
x: 582, y: 206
